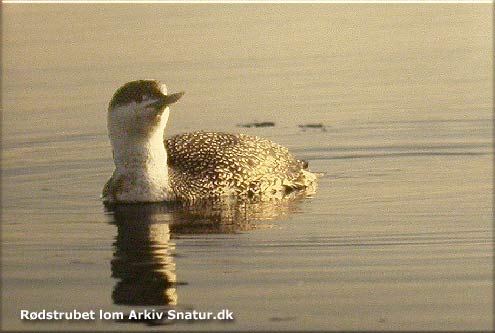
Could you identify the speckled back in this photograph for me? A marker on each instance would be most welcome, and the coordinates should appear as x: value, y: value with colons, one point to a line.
x: 209, y: 165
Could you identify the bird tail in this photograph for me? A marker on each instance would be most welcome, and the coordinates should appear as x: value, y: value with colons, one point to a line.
x: 306, y: 182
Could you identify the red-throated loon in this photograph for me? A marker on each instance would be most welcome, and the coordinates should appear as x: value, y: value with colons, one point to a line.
x: 191, y: 166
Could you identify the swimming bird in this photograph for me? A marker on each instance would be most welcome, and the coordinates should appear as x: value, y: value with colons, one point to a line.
x: 192, y: 166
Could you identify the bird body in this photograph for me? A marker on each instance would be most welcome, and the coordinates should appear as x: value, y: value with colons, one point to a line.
x: 211, y: 165
x: 192, y: 166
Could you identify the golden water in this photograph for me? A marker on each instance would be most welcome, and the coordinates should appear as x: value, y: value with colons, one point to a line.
x: 398, y: 236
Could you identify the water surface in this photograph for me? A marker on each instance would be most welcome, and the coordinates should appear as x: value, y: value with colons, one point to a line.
x: 398, y: 236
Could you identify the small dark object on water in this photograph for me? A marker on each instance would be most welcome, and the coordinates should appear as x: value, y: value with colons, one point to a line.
x: 316, y: 126
x: 258, y: 124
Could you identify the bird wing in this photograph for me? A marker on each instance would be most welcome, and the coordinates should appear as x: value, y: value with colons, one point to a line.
x: 210, y: 161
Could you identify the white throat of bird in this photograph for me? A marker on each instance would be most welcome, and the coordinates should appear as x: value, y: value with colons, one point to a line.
x: 136, y: 133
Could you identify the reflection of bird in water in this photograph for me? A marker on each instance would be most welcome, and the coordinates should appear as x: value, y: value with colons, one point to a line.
x: 192, y: 166
x: 229, y: 217
x: 143, y: 263
x: 143, y: 259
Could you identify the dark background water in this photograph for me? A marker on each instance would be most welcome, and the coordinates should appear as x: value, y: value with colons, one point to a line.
x: 398, y: 236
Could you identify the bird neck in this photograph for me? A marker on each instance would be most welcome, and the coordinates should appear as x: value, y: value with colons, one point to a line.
x: 142, y: 159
